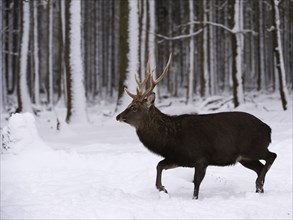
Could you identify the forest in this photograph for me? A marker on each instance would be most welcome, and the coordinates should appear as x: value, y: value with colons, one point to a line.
x: 79, y: 53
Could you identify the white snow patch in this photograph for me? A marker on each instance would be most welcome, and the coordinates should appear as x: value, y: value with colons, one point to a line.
x: 102, y: 171
x: 21, y: 135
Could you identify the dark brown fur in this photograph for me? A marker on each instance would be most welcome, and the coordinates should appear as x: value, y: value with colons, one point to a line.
x: 198, y: 141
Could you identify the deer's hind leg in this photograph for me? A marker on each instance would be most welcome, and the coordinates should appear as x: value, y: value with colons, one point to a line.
x: 256, y: 166
x: 269, y: 158
x: 260, y: 169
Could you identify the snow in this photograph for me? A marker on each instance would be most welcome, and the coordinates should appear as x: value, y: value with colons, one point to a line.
x: 102, y: 171
x: 21, y: 135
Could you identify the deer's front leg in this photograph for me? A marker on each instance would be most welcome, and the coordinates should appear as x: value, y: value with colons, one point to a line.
x: 163, y: 165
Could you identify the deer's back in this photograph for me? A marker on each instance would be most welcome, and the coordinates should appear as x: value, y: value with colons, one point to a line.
x: 219, y: 138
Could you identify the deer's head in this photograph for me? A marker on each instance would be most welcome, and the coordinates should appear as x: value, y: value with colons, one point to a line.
x: 138, y: 110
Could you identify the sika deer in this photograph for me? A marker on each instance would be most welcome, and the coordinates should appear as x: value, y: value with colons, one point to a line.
x: 198, y: 141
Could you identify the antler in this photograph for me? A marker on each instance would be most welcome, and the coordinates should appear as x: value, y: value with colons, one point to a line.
x: 149, y: 76
x: 155, y: 82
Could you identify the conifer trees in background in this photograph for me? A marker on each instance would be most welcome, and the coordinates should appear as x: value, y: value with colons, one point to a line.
x: 206, y: 39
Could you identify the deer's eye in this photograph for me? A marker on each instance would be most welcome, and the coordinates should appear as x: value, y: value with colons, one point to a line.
x: 133, y: 108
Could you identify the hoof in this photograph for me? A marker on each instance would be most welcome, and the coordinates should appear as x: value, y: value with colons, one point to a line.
x: 258, y: 190
x: 162, y: 189
x: 259, y: 186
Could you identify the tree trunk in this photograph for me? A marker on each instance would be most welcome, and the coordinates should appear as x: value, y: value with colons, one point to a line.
x: 202, y: 78
x: 237, y: 52
x: 278, y: 52
x: 67, y: 61
x: 143, y: 44
x: 3, y: 89
x: 61, y: 22
x: 50, y: 54
x: 205, y: 52
x: 36, y: 54
x: 76, y: 102
x: 128, y: 24
x: 124, y: 48
x: 152, y: 37
x: 191, y: 55
x: 213, y: 85
x: 261, y: 70
x: 24, y: 100
x: 109, y: 50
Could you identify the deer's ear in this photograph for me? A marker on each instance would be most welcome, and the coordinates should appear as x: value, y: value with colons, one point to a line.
x: 151, y: 99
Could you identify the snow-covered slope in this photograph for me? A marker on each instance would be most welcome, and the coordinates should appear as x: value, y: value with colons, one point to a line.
x: 102, y: 171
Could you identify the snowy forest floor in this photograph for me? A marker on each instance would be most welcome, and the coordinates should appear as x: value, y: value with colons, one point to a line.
x: 101, y: 171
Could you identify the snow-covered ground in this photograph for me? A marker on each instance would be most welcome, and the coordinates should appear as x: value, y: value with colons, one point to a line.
x: 102, y: 171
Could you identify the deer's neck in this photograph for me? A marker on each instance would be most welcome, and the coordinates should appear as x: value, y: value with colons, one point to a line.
x: 156, y: 130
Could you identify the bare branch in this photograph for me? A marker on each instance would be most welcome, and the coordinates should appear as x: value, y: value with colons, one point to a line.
x: 212, y: 23
x: 179, y: 37
x: 224, y: 27
x: 10, y: 53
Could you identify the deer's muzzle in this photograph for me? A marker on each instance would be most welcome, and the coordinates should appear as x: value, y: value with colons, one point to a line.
x: 119, y: 118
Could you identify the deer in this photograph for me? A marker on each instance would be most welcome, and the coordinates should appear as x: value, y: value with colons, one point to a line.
x: 197, y: 140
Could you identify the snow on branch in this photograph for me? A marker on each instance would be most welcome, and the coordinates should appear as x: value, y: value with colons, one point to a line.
x: 223, y: 26
x: 213, y: 24
x: 179, y: 37
x: 205, y: 23
x: 218, y: 25
x: 10, y: 53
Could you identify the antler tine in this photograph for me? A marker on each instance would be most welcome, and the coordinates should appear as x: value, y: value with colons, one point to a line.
x: 155, y: 82
x: 164, y: 71
x: 137, y: 79
x: 149, y: 73
x: 141, y: 85
x: 130, y: 94
x: 139, y: 88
